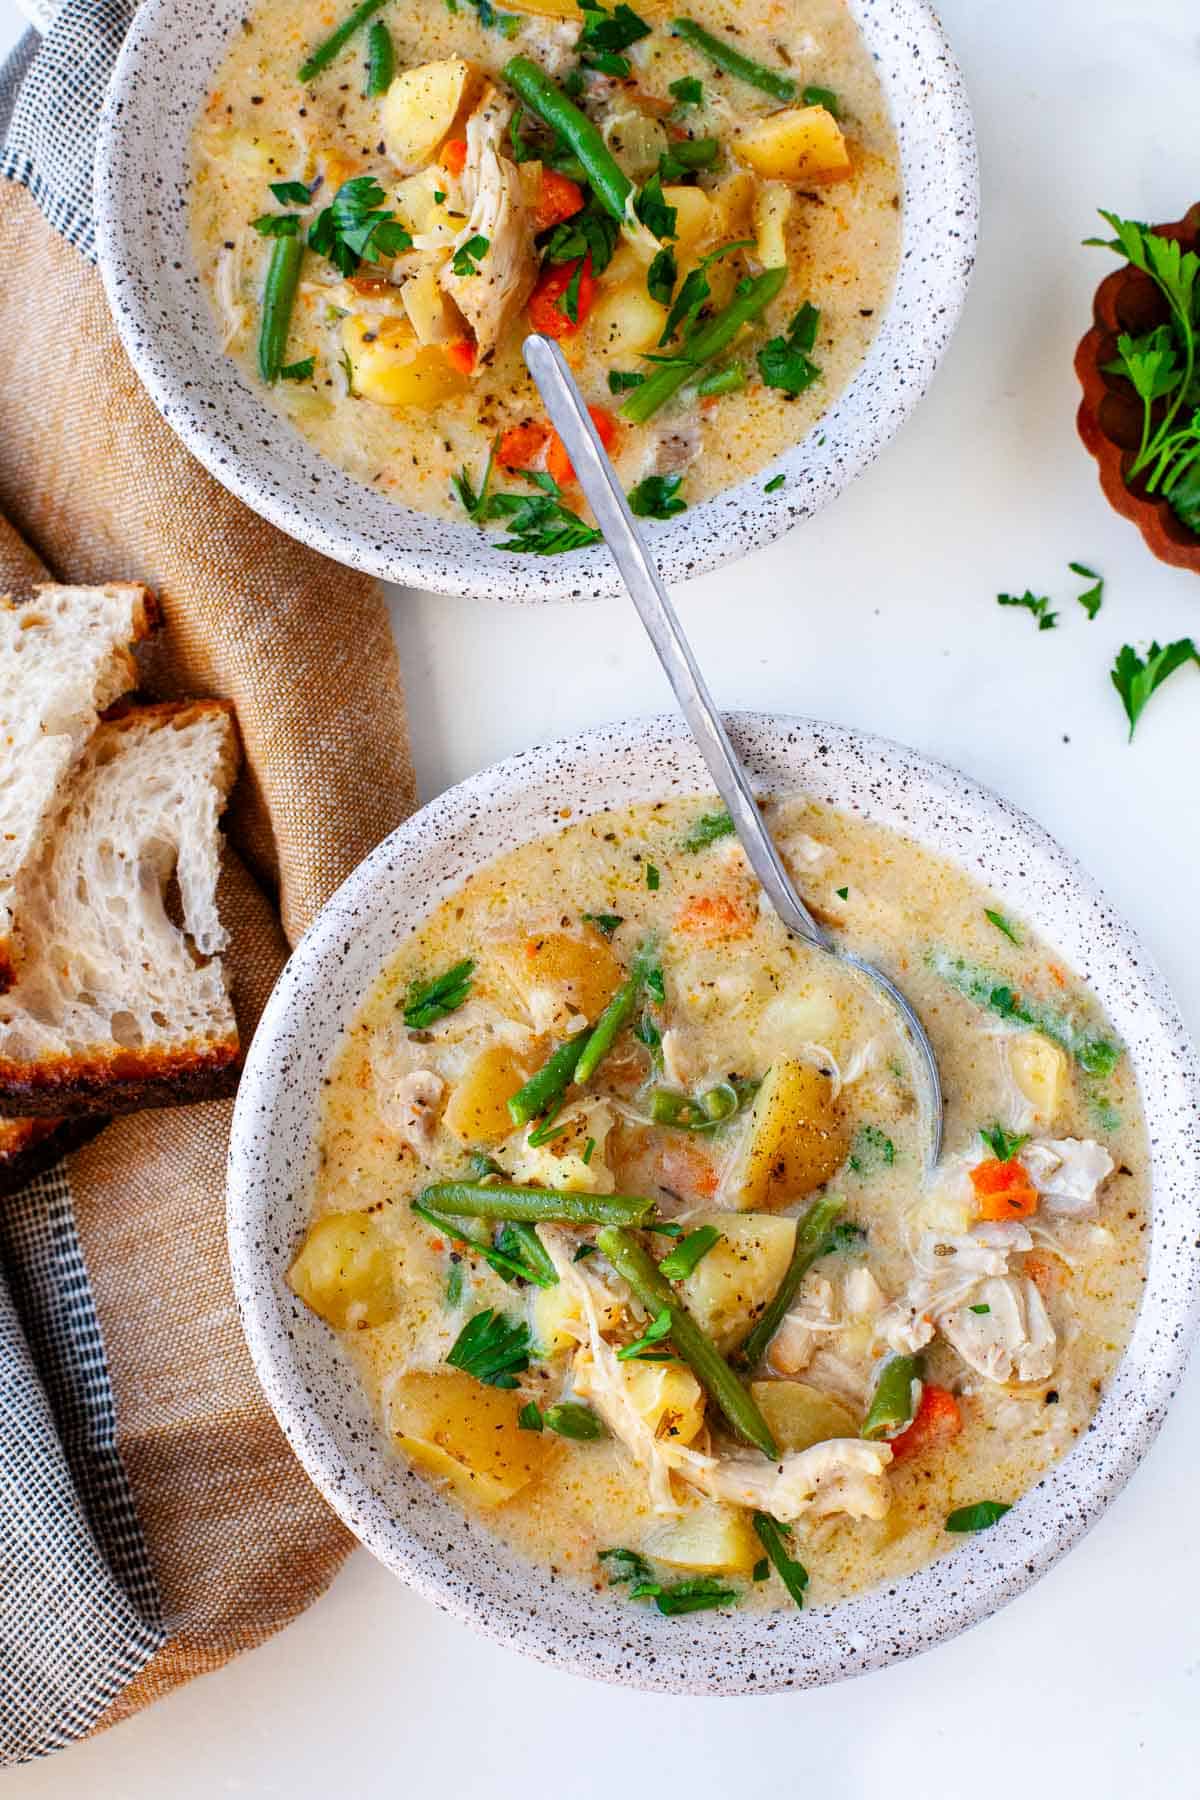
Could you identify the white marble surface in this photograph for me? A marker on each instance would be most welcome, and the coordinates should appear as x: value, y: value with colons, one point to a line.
x: 881, y: 613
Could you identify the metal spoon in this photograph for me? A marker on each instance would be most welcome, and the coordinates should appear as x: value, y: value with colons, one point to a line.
x: 598, y: 480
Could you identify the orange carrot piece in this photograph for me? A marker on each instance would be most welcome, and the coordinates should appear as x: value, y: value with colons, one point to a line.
x: 1003, y: 1189
x: 523, y: 445
x: 545, y: 313
x: 558, y: 463
x: 453, y: 156
x: 461, y: 355
x: 714, y: 916
x: 558, y: 198
x: 938, y: 1419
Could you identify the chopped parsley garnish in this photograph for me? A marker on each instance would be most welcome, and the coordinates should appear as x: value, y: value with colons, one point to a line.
x: 775, y: 1539
x: 571, y: 1420
x: 539, y: 524
x: 620, y: 381
x: 1096, y: 1055
x: 428, y: 1001
x: 658, y: 1328
x: 605, y: 34
x: 761, y: 1570
x: 657, y: 497
x: 625, y: 1565
x: 1093, y: 600
x: 845, y: 1238
x: 439, y: 199
x: 290, y: 193
x: 493, y: 1349
x: 466, y: 258
x: 701, y: 1593
x: 590, y: 233
x: 707, y: 829
x: 1037, y: 604
x: 277, y: 225
x: 784, y: 362
x: 679, y: 1263
x: 299, y: 371
x: 685, y: 309
x: 979, y: 1517
x: 981, y: 1308
x: 872, y: 1149
x: 820, y: 96
x: 1002, y: 924
x: 507, y: 24
x: 683, y: 158
x: 1002, y: 1144
x: 530, y: 1417
x: 567, y: 302
x: 454, y: 1284
x: 842, y: 893
x: 605, y: 923
x: 773, y: 486
x: 661, y: 277
x: 687, y: 91
x: 653, y: 878
x: 589, y: 1150
x: 729, y: 380
x: 356, y: 227
x: 653, y: 211
x: 1136, y: 678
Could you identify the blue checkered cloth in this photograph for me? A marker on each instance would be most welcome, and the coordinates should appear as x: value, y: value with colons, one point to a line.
x: 79, y: 1610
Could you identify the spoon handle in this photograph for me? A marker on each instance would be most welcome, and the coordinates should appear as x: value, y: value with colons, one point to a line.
x: 599, y: 483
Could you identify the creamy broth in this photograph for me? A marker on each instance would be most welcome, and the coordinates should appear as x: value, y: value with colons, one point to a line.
x: 839, y: 237
x: 1043, y: 1219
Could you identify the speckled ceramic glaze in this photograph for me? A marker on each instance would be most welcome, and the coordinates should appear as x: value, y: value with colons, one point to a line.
x: 425, y: 1538
x: 170, y: 333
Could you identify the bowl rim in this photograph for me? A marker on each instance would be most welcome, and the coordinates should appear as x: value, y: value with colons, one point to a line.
x: 1013, y: 855
x: 280, y: 476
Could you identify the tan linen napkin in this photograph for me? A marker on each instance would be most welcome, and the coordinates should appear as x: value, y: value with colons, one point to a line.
x: 98, y: 488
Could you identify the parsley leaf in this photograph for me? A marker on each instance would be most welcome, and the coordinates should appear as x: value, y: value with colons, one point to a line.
x: 299, y: 371
x: 775, y: 1539
x: 1002, y: 924
x: 773, y: 486
x: 982, y: 1308
x: 845, y: 1238
x: 653, y: 211
x: 706, y: 830
x: 540, y: 525
x: 605, y: 923
x: 658, y: 1328
x: 290, y: 193
x: 624, y: 1565
x: 687, y: 91
x: 621, y: 380
x: 475, y: 504
x: 571, y: 1420
x: 567, y: 302
x: 872, y: 1149
x: 428, y: 1001
x: 1002, y: 1144
x: 683, y: 158
x: 1136, y: 679
x: 657, y: 497
x: 653, y: 878
x: 979, y: 1517
x: 661, y: 277
x: 530, y: 1417
x: 493, y: 1349
x: 507, y: 24
x: 590, y: 233
x: 694, y: 292
x: 277, y: 225
x: 679, y: 1263
x: 605, y: 31
x: 356, y: 228
x: 466, y: 258
x: 1037, y: 604
x: 698, y: 1594
x: 784, y: 362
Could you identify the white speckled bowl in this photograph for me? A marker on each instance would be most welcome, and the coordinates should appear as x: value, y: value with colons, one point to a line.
x: 169, y: 331
x: 424, y: 1537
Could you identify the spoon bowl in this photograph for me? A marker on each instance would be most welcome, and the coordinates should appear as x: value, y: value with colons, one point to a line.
x: 598, y: 481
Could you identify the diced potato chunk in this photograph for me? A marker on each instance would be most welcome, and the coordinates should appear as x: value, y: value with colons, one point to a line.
x: 452, y: 1426
x: 556, y: 1318
x: 800, y: 144
x: 800, y: 1416
x: 627, y: 321
x: 693, y: 216
x: 668, y: 1396
x: 565, y: 1163
x: 391, y: 368
x: 772, y: 208
x: 419, y: 109
x: 795, y: 1140
x: 728, y: 1288
x: 1041, y: 1071
x: 432, y: 314
x: 580, y: 973
x: 421, y: 212
x: 712, y: 1540
x: 344, y: 1272
x: 477, y: 1110
x: 732, y: 200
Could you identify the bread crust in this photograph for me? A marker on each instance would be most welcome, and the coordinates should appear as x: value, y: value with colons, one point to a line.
x: 28, y: 1146
x: 124, y: 1081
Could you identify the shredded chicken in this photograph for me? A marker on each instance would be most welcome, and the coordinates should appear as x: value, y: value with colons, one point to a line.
x: 227, y: 287
x: 413, y: 1109
x: 1068, y: 1173
x: 505, y: 273
x: 1011, y: 1339
x: 843, y: 1475
x: 795, y: 1343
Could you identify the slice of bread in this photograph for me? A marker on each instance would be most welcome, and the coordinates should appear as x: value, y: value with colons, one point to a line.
x: 27, y: 1146
x: 114, y: 1006
x: 64, y: 658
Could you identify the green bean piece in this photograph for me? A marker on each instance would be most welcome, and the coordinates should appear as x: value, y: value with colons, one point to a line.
x: 723, y: 381
x: 279, y: 297
x: 611, y: 186
x: 812, y: 1232
x: 381, y: 60
x: 753, y: 296
x: 510, y: 1267
x: 549, y: 1083
x: 604, y: 1034
x: 324, y: 53
x: 701, y: 1355
x: 892, y: 1404
x: 500, y: 1200
x: 725, y: 56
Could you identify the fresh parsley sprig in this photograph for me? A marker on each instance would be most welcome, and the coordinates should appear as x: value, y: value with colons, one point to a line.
x: 356, y: 227
x: 1036, y: 604
x: 775, y: 1539
x: 428, y: 1001
x: 657, y: 497
x: 1136, y: 678
x: 493, y: 1349
x: 1003, y: 1144
x: 784, y: 362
